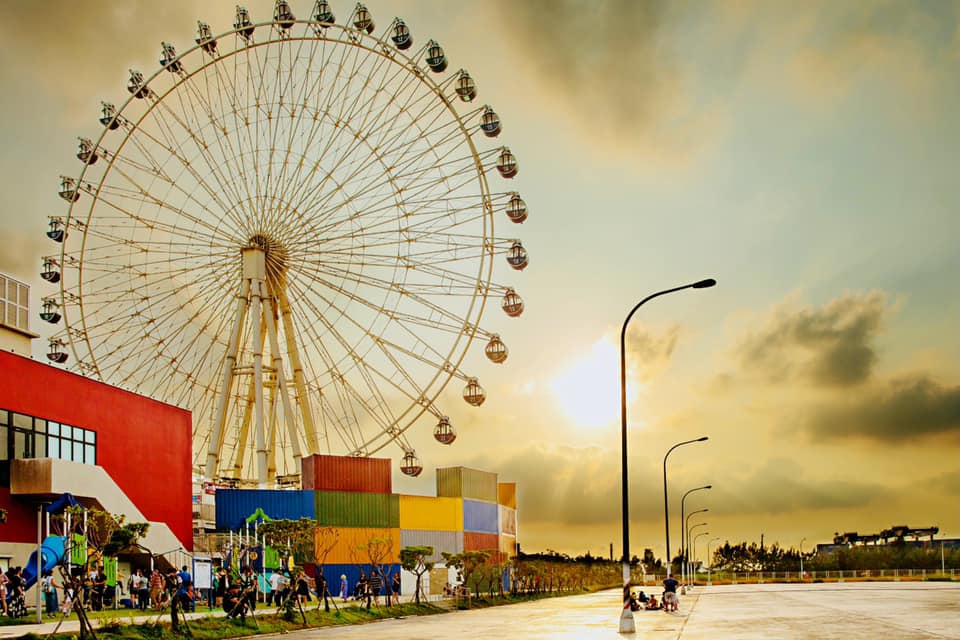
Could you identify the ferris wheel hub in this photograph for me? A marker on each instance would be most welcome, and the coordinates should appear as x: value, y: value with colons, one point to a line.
x: 274, y: 256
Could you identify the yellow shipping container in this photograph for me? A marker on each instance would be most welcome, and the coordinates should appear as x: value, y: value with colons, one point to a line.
x: 508, y: 545
x: 350, y: 544
x: 431, y: 514
x: 507, y: 494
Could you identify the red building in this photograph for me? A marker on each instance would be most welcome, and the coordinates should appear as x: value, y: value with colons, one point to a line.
x: 61, y: 432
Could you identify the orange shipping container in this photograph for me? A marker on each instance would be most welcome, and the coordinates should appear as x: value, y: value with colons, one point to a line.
x: 480, y: 541
x: 425, y: 513
x: 349, y: 547
x: 347, y: 473
x: 507, y: 494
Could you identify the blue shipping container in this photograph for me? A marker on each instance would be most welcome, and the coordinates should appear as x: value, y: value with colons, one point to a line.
x: 480, y: 517
x: 332, y: 573
x: 234, y: 506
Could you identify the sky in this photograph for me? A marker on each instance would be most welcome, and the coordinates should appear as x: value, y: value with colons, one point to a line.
x: 805, y: 157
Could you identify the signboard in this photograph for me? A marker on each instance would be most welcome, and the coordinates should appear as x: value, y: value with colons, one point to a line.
x: 202, y: 573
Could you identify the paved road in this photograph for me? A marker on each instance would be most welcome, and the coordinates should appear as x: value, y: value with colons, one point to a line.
x: 907, y: 611
x: 891, y: 610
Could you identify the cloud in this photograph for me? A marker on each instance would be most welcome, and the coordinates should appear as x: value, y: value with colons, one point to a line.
x: 780, y: 486
x: 611, y: 66
x: 905, y: 408
x: 829, y: 346
x: 650, y: 353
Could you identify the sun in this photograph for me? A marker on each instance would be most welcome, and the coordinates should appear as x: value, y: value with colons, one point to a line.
x: 589, y: 390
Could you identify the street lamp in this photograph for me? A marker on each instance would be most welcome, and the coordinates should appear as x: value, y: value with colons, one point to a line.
x: 686, y: 554
x: 626, y: 617
x: 801, y: 557
x: 666, y: 507
x: 683, y: 540
x: 692, y: 569
x: 710, y: 560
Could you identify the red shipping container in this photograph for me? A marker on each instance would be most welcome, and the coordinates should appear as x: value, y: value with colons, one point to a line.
x: 347, y: 473
x: 480, y: 541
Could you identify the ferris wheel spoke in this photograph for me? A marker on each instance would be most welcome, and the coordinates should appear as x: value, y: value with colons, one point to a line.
x: 217, y: 167
x: 175, y: 152
x: 229, y: 154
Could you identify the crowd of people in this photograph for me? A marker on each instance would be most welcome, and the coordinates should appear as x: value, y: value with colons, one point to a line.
x: 153, y: 589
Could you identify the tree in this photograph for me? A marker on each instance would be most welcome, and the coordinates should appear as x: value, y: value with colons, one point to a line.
x: 414, y: 560
x: 377, y: 551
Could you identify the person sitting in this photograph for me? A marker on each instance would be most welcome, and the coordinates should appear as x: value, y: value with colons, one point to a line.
x: 642, y: 597
x: 235, y: 603
x: 634, y: 605
x: 652, y: 603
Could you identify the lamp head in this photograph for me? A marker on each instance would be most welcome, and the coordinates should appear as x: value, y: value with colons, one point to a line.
x: 703, y: 438
x: 704, y: 284
x: 709, y: 486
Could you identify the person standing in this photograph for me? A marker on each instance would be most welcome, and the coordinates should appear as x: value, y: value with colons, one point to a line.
x: 248, y: 586
x: 49, y: 588
x: 142, y: 584
x: 670, y: 599
x: 156, y: 588
x: 395, y: 586
x: 343, y: 587
x: 374, y: 585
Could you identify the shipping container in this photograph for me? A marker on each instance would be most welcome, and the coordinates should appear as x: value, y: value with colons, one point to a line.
x: 480, y: 517
x: 345, y: 509
x: 449, y: 541
x: 332, y: 573
x: 507, y: 494
x: 508, y: 545
x: 480, y: 541
x: 431, y: 514
x: 347, y: 473
x: 234, y: 506
x: 461, y: 482
x: 348, y: 544
x: 508, y: 520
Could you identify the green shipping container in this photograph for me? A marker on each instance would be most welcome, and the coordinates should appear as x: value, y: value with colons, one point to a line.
x: 461, y: 482
x: 349, y: 509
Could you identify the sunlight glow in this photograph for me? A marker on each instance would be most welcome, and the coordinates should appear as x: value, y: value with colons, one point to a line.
x: 589, y: 390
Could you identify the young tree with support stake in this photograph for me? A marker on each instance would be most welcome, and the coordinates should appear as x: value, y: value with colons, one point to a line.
x: 414, y: 560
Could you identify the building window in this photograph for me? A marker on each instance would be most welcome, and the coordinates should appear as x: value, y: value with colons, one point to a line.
x: 23, y: 436
x: 13, y: 303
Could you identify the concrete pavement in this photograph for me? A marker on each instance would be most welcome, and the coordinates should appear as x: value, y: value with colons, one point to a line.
x: 900, y: 610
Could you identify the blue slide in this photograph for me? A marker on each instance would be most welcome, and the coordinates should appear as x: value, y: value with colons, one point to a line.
x: 52, y: 552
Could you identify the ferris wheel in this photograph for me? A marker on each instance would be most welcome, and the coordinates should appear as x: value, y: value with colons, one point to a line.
x: 288, y: 229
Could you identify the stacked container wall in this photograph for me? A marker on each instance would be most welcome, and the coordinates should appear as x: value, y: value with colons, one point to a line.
x: 347, y: 473
x: 431, y: 514
x: 461, y: 482
x: 234, y: 506
x: 449, y: 541
x: 346, y: 543
x: 508, y: 520
x: 507, y: 494
x: 345, y: 509
x: 332, y: 573
x: 480, y: 517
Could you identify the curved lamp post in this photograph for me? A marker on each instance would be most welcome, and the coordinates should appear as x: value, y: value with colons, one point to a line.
x: 626, y: 617
x: 666, y: 507
x: 683, y: 541
x: 692, y: 569
x: 801, y: 558
x: 690, y: 529
x: 686, y: 553
x: 710, y: 560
